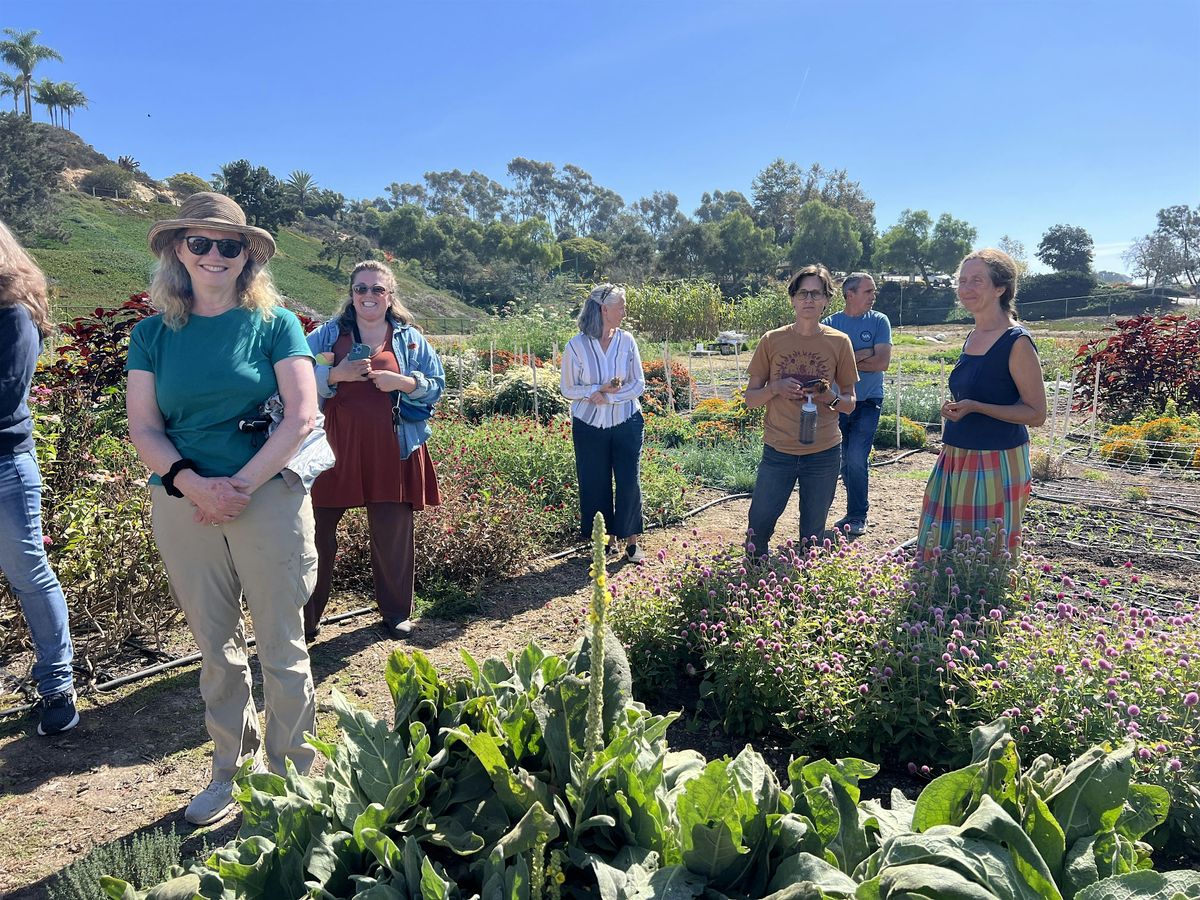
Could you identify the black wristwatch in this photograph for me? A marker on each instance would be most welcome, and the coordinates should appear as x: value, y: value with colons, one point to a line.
x: 168, y: 480
x: 834, y: 402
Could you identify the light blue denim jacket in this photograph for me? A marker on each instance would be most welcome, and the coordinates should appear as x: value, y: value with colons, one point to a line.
x: 416, y: 358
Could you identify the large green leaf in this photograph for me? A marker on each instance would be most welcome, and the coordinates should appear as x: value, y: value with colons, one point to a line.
x: 415, y: 687
x: 1043, y: 829
x: 1089, y: 797
x: 561, y: 710
x: 1145, y: 809
x: 922, y: 881
x: 984, y: 863
x: 990, y: 822
x: 245, y: 867
x: 710, y: 812
x: 948, y: 799
x: 898, y: 819
x: 513, y: 790
x: 1145, y: 886
x: 805, y: 867
x: 536, y: 826
x: 837, y: 820
x: 331, y: 859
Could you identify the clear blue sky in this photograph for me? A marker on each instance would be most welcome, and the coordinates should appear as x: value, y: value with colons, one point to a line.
x: 1014, y: 114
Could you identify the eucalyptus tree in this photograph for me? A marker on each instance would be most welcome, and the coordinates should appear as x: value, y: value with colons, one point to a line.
x: 23, y: 53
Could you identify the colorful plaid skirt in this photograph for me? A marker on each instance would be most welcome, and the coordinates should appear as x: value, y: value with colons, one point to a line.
x: 970, y: 491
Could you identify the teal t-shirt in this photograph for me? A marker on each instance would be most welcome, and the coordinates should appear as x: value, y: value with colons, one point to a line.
x: 211, y: 373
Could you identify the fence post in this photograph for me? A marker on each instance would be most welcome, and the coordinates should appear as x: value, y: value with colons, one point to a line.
x: 462, y: 386
x: 667, y: 377
x: 1054, y: 414
x: 533, y: 365
x: 492, y: 365
x: 1095, y: 410
x: 897, y: 410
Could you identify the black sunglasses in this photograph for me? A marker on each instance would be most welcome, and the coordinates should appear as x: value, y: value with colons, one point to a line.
x: 377, y: 289
x: 227, y: 247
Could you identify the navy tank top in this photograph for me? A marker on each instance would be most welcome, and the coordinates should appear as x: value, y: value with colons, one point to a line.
x: 986, y: 378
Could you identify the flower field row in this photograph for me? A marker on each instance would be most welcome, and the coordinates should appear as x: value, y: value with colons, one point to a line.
x: 852, y: 652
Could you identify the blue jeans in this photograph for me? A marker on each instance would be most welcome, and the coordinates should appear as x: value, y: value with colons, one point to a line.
x: 603, y: 455
x: 778, y: 473
x: 23, y: 561
x: 858, y: 434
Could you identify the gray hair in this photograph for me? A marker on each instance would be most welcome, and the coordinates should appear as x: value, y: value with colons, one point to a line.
x: 850, y: 282
x: 591, y: 319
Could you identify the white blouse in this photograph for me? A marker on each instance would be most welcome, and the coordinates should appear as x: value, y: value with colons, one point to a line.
x: 586, y: 368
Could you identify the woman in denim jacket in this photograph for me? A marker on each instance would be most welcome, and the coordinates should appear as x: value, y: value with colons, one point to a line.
x: 378, y: 379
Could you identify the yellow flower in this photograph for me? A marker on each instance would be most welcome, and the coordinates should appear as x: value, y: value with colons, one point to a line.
x: 601, y: 580
x: 559, y: 877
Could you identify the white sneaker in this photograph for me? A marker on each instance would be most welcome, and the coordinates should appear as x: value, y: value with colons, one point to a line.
x: 634, y: 553
x: 210, y: 804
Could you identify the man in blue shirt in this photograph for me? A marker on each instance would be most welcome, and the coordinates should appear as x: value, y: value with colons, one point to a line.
x: 871, y: 334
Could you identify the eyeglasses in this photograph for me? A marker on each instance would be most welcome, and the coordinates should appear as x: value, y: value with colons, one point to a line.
x: 810, y: 295
x: 377, y: 289
x: 227, y: 247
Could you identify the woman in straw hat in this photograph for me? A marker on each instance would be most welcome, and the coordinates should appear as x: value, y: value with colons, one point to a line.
x: 602, y: 376
x: 225, y: 523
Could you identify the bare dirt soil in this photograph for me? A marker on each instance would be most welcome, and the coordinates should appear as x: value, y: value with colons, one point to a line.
x: 141, y: 752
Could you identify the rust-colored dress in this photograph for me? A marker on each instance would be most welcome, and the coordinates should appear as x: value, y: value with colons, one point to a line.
x: 369, y: 472
x: 358, y: 420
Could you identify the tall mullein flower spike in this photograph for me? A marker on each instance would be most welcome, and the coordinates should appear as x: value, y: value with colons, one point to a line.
x: 537, y: 868
x: 601, y: 597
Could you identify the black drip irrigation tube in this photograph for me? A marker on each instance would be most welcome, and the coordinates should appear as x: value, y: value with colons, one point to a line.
x: 114, y: 683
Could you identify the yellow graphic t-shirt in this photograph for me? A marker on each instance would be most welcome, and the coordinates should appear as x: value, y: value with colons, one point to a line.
x: 783, y: 353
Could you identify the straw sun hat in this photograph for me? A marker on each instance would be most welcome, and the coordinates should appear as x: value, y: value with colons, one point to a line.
x: 218, y: 212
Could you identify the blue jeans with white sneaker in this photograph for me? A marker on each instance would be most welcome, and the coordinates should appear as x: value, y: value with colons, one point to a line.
x: 23, y: 561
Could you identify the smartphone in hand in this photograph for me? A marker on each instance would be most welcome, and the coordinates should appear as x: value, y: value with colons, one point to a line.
x: 359, y: 351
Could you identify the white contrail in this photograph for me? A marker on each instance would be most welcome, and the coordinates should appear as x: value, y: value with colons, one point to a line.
x: 796, y: 102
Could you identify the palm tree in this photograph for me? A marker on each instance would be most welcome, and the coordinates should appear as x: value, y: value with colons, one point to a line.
x: 46, y: 93
x: 71, y: 98
x: 301, y: 182
x: 23, y: 54
x: 12, y: 84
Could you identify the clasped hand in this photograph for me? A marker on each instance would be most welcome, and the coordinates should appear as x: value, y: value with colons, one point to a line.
x: 351, y: 370
x: 955, y: 410
x: 218, y: 501
x: 791, y: 389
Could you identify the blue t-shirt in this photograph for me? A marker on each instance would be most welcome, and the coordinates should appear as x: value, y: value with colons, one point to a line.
x: 865, y: 331
x: 211, y: 373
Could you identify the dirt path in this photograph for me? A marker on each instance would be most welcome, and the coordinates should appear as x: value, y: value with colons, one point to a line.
x: 140, y: 754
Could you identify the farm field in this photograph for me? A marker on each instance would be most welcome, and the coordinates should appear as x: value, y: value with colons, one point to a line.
x: 140, y: 752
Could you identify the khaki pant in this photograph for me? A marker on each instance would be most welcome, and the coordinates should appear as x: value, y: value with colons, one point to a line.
x: 266, y: 554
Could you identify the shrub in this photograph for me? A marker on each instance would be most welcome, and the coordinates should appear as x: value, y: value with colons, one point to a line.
x: 1165, y: 440
x: 145, y: 859
x: 655, y: 398
x: 668, y: 430
x: 513, y: 394
x: 1145, y: 363
x: 678, y: 310
x: 184, y: 184
x: 912, y: 434
x: 106, y: 180
x: 461, y: 366
x: 1055, y: 286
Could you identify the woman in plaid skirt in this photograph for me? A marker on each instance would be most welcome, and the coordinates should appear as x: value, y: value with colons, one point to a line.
x: 982, y: 478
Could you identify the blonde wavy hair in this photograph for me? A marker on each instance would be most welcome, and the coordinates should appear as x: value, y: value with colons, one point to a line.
x: 21, y: 281
x: 171, y: 287
x: 396, y: 307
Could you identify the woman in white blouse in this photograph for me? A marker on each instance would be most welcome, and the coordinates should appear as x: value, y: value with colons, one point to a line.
x: 602, y: 377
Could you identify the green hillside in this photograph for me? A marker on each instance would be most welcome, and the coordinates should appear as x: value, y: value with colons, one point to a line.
x: 106, y: 259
